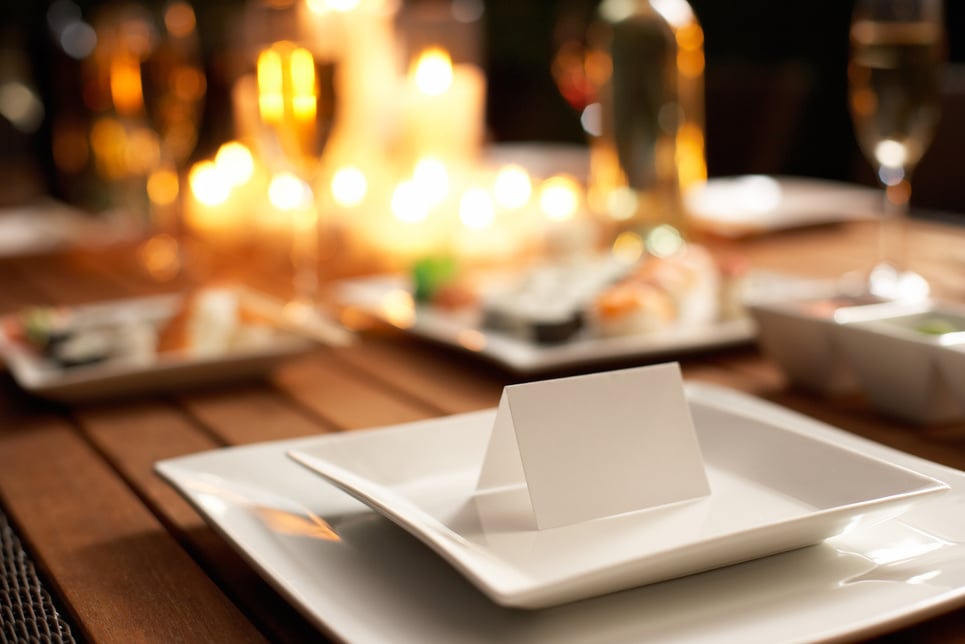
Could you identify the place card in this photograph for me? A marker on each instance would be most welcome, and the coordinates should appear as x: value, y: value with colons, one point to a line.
x: 596, y: 445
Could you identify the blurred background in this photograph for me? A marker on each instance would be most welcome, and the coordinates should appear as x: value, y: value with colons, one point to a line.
x: 777, y: 66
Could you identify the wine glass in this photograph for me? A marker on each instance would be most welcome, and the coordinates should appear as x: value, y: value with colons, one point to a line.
x: 894, y: 78
x: 146, y: 85
x: 295, y: 74
x: 174, y: 86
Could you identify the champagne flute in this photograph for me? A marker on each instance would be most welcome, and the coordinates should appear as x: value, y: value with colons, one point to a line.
x: 174, y: 90
x: 295, y: 80
x: 147, y: 86
x: 894, y: 78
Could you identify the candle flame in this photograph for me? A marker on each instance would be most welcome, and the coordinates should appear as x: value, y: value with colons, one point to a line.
x: 409, y: 204
x: 476, y: 209
x: 513, y: 187
x: 433, y: 72
x: 321, y: 7
x: 288, y: 192
x: 559, y: 198
x: 432, y: 178
x: 349, y: 186
x: 208, y: 184
x: 235, y: 162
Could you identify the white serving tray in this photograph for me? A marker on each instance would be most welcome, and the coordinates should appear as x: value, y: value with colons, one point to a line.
x: 772, y: 489
x: 168, y: 371
x: 378, y: 295
x: 361, y: 578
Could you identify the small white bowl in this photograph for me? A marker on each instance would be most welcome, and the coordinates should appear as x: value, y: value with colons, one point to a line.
x: 799, y: 335
x: 895, y: 350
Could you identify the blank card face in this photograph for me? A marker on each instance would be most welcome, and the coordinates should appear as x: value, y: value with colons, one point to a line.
x: 597, y: 445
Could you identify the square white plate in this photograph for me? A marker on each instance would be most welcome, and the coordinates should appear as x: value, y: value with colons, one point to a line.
x: 360, y: 578
x: 772, y: 489
x: 167, y: 371
x: 381, y: 295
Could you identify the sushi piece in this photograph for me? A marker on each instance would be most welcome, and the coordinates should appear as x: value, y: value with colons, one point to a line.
x: 633, y: 307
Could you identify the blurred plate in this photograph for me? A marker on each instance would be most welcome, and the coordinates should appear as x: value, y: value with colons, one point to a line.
x: 748, y: 205
x: 389, y: 299
x: 178, y: 368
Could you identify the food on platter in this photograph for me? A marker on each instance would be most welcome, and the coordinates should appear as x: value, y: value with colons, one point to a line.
x: 210, y: 321
x: 607, y: 296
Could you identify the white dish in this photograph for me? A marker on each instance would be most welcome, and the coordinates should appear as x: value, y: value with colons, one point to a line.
x: 746, y: 205
x: 377, y: 583
x: 899, y: 365
x: 388, y: 298
x: 798, y: 332
x: 163, y: 372
x: 772, y: 489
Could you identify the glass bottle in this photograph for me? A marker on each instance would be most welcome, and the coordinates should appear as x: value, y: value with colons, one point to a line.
x: 647, y: 63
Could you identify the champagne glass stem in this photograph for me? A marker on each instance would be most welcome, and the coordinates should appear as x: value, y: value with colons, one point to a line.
x: 892, y: 243
x: 305, y: 255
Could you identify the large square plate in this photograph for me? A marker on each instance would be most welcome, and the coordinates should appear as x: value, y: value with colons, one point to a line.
x: 164, y: 372
x: 772, y: 489
x: 389, y: 299
x: 361, y: 578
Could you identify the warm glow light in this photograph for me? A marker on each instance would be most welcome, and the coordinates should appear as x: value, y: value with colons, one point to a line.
x: 160, y: 257
x: 398, y: 308
x: 208, y: 184
x: 622, y: 203
x: 271, y: 100
x: 162, y: 187
x: 349, y: 186
x: 432, y: 179
x: 433, y: 72
x: 476, y: 209
x: 628, y: 247
x: 235, y: 161
x: 891, y: 153
x: 321, y: 7
x: 142, y: 150
x: 513, y: 187
x: 409, y: 204
x: 664, y: 241
x: 304, y: 99
x: 691, y: 163
x: 125, y: 79
x: 179, y: 19
x: 288, y: 192
x: 559, y: 197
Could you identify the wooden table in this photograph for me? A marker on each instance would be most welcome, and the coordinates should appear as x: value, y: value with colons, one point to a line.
x: 128, y: 559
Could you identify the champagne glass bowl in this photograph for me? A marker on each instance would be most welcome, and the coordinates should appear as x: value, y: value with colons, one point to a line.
x: 894, y: 78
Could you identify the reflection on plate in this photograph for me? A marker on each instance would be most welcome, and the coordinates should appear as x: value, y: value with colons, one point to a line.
x: 390, y: 299
x: 773, y: 489
x: 152, y: 343
x: 377, y: 583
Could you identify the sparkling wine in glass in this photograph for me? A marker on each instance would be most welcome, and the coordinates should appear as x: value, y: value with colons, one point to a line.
x: 146, y: 86
x: 295, y: 80
x: 894, y: 75
x: 174, y: 86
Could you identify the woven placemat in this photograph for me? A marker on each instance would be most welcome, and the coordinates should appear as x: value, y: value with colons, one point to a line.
x: 27, y: 611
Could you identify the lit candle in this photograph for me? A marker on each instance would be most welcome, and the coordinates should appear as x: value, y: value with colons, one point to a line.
x: 444, y: 108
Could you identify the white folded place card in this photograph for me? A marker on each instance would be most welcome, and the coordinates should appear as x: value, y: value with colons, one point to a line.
x: 596, y: 445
